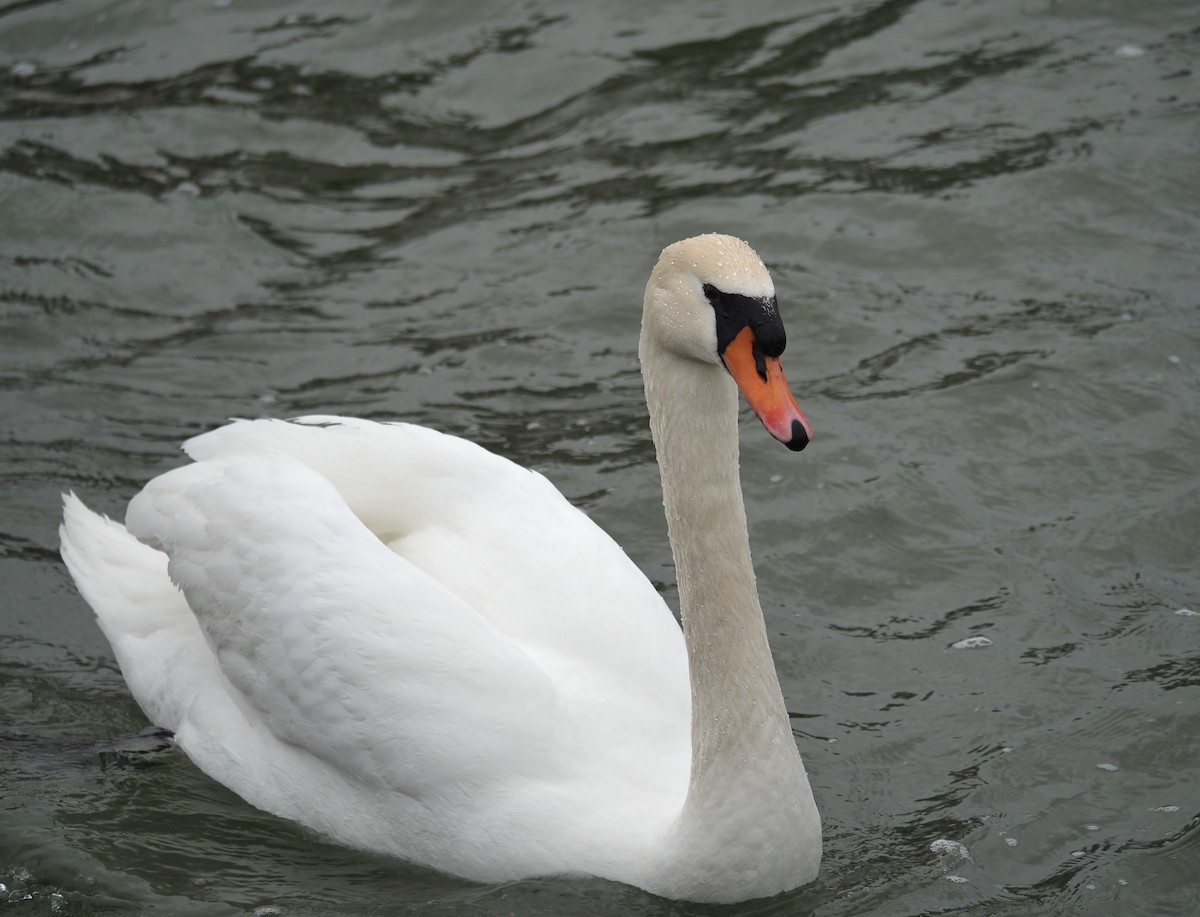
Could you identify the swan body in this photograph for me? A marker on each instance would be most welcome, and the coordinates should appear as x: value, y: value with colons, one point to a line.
x: 416, y: 647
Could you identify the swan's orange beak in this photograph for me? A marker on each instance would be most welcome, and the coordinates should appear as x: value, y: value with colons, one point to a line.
x: 761, y: 380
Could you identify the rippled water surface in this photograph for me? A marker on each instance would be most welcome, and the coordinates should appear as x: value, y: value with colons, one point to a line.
x: 980, y: 581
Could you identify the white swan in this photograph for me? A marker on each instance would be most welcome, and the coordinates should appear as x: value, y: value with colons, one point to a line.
x: 419, y: 648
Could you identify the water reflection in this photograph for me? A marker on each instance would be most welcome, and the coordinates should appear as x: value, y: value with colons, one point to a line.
x: 742, y: 104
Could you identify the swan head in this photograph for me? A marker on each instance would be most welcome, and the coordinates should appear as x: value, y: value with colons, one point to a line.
x: 710, y: 299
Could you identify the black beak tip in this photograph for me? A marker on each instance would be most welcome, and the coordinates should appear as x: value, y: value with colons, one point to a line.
x: 799, y: 438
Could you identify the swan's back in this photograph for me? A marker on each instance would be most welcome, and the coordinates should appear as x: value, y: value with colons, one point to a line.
x: 404, y: 641
x: 498, y: 536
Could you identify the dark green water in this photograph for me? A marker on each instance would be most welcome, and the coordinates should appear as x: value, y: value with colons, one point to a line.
x: 983, y: 223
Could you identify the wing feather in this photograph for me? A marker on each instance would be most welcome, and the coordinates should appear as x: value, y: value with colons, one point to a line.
x: 497, y: 535
x: 339, y: 645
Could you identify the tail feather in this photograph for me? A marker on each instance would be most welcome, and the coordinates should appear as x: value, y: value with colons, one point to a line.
x: 146, y: 619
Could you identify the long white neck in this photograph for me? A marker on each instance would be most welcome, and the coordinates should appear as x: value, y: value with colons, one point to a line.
x: 749, y: 816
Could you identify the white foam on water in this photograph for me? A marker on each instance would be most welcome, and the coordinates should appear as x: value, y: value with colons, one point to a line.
x: 943, y: 845
x: 971, y: 643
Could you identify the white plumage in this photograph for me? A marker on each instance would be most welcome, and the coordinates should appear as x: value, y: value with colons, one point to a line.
x: 416, y: 647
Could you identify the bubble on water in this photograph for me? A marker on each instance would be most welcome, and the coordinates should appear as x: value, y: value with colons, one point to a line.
x: 1129, y: 51
x: 1188, y: 613
x: 1175, y: 358
x: 943, y: 845
x: 1011, y: 841
x: 1122, y: 882
x: 23, y: 68
x: 776, y: 478
x: 1105, y: 766
x: 1077, y: 853
x: 971, y: 643
x: 1165, y: 809
x: 1092, y: 827
x: 958, y: 879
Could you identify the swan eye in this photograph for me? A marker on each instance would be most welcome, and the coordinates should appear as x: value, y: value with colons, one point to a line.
x: 760, y: 314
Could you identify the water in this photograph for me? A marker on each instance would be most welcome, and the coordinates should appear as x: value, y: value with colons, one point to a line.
x: 982, y: 220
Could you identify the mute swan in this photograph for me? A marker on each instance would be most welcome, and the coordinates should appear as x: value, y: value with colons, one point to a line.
x: 416, y: 647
